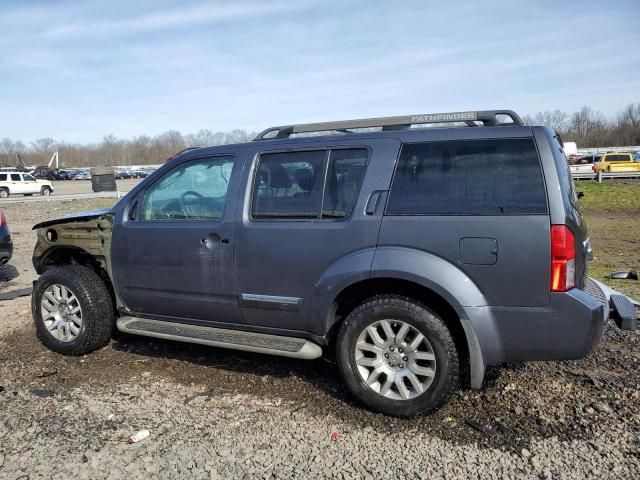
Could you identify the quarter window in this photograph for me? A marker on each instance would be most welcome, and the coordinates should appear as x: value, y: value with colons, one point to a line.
x: 473, y: 177
x: 3, y: 177
x: 308, y: 184
x: 344, y: 177
x: 195, y: 190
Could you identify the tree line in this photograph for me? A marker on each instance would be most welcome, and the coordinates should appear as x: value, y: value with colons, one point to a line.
x: 586, y: 127
x: 589, y: 128
x: 142, y: 150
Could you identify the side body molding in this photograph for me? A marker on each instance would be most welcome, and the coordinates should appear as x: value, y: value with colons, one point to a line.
x: 454, y: 286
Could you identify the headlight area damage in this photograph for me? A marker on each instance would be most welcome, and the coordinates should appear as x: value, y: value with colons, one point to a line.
x: 82, y: 238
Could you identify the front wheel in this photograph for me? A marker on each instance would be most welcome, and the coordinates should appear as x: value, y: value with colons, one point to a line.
x: 46, y: 191
x: 397, y: 356
x: 72, y: 310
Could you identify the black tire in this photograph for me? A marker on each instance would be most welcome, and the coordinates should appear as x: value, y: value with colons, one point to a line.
x: 95, y: 300
x: 394, y: 307
x: 45, y: 191
x: 4, y: 193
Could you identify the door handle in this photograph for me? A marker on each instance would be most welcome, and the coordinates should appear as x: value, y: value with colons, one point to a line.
x: 376, y: 198
x: 212, y: 240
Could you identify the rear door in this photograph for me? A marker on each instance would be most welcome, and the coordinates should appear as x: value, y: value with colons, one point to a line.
x: 172, y: 253
x: 481, y: 205
x: 304, y: 211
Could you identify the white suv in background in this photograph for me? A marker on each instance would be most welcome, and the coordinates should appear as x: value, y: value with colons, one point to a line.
x: 21, y: 183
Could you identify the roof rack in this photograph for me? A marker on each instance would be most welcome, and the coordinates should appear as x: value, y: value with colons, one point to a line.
x: 486, y: 117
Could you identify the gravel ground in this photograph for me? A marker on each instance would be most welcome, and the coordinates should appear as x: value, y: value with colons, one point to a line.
x: 214, y: 413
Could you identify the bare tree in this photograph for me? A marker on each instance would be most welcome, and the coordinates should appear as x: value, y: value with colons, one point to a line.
x: 557, y: 120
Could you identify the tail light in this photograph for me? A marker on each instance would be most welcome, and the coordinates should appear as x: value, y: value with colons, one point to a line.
x: 3, y: 219
x: 593, y: 168
x: 563, y: 259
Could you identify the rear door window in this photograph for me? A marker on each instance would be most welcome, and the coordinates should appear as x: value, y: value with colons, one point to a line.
x: 3, y: 177
x: 308, y: 184
x: 469, y: 177
x: 15, y: 177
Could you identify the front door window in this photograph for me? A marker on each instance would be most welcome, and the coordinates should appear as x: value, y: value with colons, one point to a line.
x: 196, y: 190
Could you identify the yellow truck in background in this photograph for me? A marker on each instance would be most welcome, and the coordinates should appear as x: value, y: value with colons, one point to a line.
x: 617, y: 162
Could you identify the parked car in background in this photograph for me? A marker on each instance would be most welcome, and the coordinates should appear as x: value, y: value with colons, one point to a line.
x: 82, y: 175
x: 617, y: 162
x: 44, y: 173
x: 420, y: 256
x: 582, y: 165
x: 62, y: 175
x: 6, y: 245
x: 139, y: 174
x: 20, y: 183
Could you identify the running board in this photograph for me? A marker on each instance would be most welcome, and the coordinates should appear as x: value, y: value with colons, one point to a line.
x: 221, y: 337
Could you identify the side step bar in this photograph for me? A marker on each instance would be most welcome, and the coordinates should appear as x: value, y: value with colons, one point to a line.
x: 220, y: 337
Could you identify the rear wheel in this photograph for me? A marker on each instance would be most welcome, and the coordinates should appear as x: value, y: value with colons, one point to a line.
x: 4, y: 192
x: 72, y: 310
x: 397, y: 356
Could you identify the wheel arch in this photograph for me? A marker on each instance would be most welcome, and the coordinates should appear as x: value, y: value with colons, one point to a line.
x: 70, y: 255
x: 463, y: 331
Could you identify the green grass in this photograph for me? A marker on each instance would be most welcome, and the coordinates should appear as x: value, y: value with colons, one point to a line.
x: 628, y: 287
x: 612, y: 212
x: 610, y: 195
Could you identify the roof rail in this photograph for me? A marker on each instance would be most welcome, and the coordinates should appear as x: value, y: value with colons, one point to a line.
x: 486, y: 117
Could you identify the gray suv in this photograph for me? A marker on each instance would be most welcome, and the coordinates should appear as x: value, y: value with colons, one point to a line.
x: 419, y: 256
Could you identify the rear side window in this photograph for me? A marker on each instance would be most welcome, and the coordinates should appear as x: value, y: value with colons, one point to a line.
x: 15, y: 177
x: 3, y: 177
x: 289, y: 185
x: 308, y: 184
x: 470, y: 177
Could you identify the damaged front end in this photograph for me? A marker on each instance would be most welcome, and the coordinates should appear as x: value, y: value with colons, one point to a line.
x: 80, y: 238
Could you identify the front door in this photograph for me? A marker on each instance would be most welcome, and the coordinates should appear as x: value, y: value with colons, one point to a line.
x: 30, y: 184
x: 172, y: 249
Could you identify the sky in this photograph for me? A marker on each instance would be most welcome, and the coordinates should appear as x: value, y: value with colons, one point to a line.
x: 80, y: 70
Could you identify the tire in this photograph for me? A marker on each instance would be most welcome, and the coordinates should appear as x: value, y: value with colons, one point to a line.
x: 45, y: 191
x: 4, y: 193
x: 96, y: 309
x: 437, y: 387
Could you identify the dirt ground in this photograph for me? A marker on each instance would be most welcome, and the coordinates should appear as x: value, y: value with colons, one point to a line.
x: 215, y: 413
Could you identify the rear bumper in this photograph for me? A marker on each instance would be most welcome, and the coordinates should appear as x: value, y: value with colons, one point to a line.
x: 566, y: 329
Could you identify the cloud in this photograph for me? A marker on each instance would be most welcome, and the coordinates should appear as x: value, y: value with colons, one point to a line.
x: 180, y: 17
